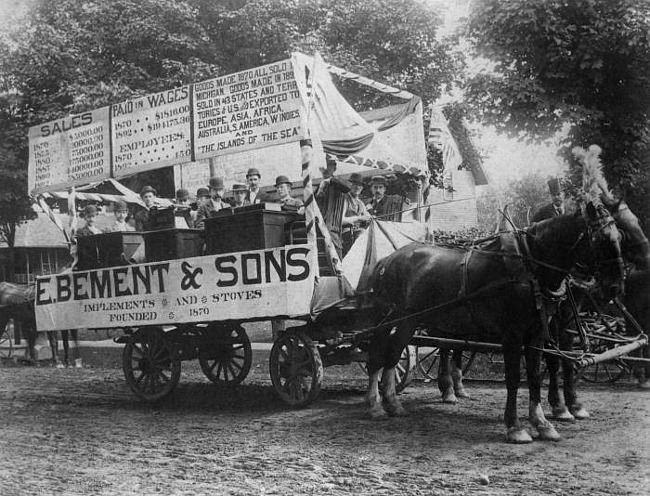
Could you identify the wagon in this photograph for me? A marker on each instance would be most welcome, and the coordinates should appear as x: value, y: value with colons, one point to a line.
x: 184, y: 294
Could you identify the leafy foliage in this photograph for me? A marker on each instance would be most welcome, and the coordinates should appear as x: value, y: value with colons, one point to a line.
x: 582, y: 65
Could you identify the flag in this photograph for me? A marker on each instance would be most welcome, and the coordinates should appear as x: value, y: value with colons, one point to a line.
x: 440, y: 137
x: 53, y: 217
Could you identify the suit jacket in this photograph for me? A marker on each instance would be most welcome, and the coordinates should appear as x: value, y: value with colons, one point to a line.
x: 206, y: 211
x: 85, y: 231
x: 546, y: 212
x: 141, y: 218
x: 260, y: 198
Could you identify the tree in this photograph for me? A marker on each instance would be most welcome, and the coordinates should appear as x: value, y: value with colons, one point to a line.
x: 582, y: 65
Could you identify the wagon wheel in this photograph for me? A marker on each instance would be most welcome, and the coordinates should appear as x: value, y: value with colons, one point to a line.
x: 6, y: 343
x: 226, y: 355
x: 603, y: 372
x: 149, y: 365
x: 405, y: 369
x: 428, y: 360
x: 296, y: 369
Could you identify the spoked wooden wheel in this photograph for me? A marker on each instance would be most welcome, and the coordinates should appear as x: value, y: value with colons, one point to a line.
x: 296, y: 369
x: 603, y: 372
x: 226, y: 355
x: 428, y: 360
x: 405, y: 369
x: 6, y: 343
x: 149, y: 365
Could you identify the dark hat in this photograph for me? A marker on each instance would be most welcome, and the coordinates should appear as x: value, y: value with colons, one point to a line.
x: 355, y: 178
x: 253, y: 172
x: 216, y: 183
x: 305, y: 142
x: 182, y: 194
x: 202, y: 192
x: 90, y: 209
x: 238, y: 187
x: 282, y: 180
x: 554, y: 186
x: 148, y: 189
x: 120, y: 206
x: 378, y: 180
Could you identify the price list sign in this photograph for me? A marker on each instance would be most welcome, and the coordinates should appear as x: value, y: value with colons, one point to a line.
x: 151, y: 132
x: 247, y: 110
x: 69, y: 151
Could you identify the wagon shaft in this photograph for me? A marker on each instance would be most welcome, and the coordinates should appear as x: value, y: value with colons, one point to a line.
x: 613, y: 353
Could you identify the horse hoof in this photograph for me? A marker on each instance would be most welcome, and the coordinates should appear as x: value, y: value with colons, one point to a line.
x: 561, y: 414
x: 517, y: 435
x: 461, y: 393
x: 548, y: 433
x: 60, y: 366
x: 398, y: 412
x: 580, y: 413
x: 449, y: 397
x: 378, y: 414
x: 645, y: 385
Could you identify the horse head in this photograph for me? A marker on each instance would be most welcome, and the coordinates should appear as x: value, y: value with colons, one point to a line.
x: 601, y: 250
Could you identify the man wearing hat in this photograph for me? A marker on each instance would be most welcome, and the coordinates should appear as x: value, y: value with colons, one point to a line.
x: 356, y: 217
x: 383, y: 206
x: 89, y: 216
x: 254, y: 195
x: 283, y: 187
x: 556, y: 207
x: 141, y: 217
x: 214, y: 204
x: 331, y: 198
x: 239, y: 193
x: 121, y: 211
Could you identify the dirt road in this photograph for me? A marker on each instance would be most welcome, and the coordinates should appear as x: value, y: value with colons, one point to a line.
x: 81, y: 431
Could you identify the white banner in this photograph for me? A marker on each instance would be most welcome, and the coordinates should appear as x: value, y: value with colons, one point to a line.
x: 69, y: 151
x: 237, y: 286
x: 251, y: 109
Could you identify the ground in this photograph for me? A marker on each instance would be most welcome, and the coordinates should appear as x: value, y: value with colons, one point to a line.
x: 81, y: 431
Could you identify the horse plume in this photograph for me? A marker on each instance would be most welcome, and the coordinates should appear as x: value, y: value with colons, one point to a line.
x: 594, y: 184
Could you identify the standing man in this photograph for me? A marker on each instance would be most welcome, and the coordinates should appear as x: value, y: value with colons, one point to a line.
x: 239, y: 193
x: 331, y: 198
x: 556, y: 207
x: 283, y: 186
x: 148, y: 195
x: 356, y: 217
x: 214, y: 204
x: 254, y: 195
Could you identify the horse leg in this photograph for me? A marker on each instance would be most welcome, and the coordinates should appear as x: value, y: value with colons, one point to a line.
x: 515, y: 433
x: 570, y: 392
x: 373, y: 398
x: 560, y: 412
x: 74, y: 333
x: 30, y: 334
x: 457, y: 374
x: 65, y: 338
x: 535, y: 413
x: 397, y: 341
x: 376, y: 350
x: 445, y: 382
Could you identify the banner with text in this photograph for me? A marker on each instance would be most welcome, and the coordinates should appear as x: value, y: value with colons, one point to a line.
x: 251, y: 109
x: 238, y: 286
x: 70, y: 151
x: 151, y: 132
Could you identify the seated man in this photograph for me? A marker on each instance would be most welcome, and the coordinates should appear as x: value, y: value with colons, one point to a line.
x: 214, y: 204
x: 355, y: 217
x: 141, y: 217
x: 239, y: 193
x: 121, y: 212
x: 283, y: 186
x: 556, y: 207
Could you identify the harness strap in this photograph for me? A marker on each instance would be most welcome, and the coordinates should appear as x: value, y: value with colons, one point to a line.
x: 463, y: 278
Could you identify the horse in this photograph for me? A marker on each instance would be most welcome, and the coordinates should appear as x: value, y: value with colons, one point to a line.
x: 635, y: 249
x: 469, y: 293
x: 17, y: 303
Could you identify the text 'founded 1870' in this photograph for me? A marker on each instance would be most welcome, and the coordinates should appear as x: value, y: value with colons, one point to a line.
x: 247, y: 110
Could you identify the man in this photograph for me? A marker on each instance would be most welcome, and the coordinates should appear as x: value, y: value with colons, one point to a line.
x: 182, y: 209
x: 214, y: 204
x: 239, y: 193
x: 355, y: 217
x: 148, y: 195
x: 121, y: 211
x: 90, y: 216
x: 283, y: 187
x: 254, y: 195
x: 556, y: 207
x: 202, y: 198
x: 331, y: 198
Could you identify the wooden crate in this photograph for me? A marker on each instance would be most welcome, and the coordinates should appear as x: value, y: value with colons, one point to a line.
x: 107, y: 249
x: 173, y: 244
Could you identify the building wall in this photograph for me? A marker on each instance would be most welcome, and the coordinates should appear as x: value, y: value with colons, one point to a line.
x: 457, y: 210
x: 32, y: 262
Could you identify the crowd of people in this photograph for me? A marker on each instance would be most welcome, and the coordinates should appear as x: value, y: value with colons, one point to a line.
x: 343, y: 211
